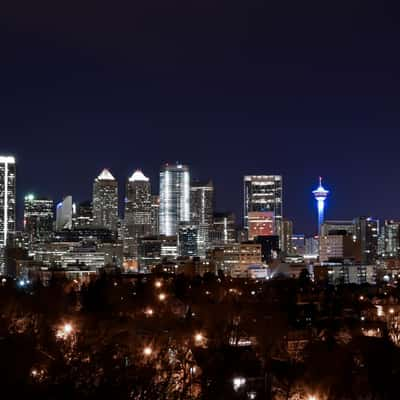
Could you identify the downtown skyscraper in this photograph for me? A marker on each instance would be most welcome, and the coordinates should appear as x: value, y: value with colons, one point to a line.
x: 263, y: 194
x: 174, y: 198
x: 7, y: 201
x: 138, y: 211
x: 202, y: 211
x: 105, y: 201
x: 38, y: 217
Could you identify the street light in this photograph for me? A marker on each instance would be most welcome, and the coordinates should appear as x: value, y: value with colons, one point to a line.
x: 158, y: 284
x: 147, y: 351
x: 239, y: 382
x: 162, y: 296
x: 312, y: 397
x: 198, y: 338
x: 149, y: 312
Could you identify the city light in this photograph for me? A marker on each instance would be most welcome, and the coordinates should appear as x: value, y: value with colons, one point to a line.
x: 162, y: 296
x: 65, y: 331
x: 311, y: 397
x: 149, y: 312
x: 239, y: 382
x: 198, y: 337
x: 158, y: 284
x: 148, y: 351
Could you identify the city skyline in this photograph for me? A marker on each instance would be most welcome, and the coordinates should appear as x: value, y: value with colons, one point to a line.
x: 310, y: 226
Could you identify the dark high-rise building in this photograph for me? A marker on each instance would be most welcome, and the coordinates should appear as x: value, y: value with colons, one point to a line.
x: 105, y: 201
x: 329, y: 226
x: 155, y: 215
x: 188, y: 236
x: 149, y: 251
x: 84, y: 215
x: 202, y: 203
x: 367, y: 233
x: 138, y: 208
x: 174, y: 198
x: 263, y: 193
x: 7, y: 201
x: 224, y: 229
x: 202, y: 210
x: 287, y: 233
x: 38, y: 217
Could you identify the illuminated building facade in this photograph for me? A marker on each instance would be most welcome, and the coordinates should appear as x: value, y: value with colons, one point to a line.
x: 155, y: 215
x: 64, y: 214
x: 138, y: 211
x: 202, y: 210
x: 263, y: 193
x: 38, y: 217
x: 7, y: 201
x: 105, y: 201
x: 188, y: 236
x: 174, y: 198
x: 260, y: 223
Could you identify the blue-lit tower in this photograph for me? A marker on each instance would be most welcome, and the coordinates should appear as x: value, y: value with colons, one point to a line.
x: 320, y: 194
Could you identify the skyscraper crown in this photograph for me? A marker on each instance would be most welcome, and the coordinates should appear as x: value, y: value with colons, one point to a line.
x: 138, y: 176
x: 105, y: 176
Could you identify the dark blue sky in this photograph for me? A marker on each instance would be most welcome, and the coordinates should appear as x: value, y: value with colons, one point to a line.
x: 300, y: 88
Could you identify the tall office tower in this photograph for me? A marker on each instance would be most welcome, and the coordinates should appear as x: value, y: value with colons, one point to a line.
x: 320, y: 195
x: 84, y: 215
x: 202, y: 210
x: 155, y: 215
x: 105, y: 201
x: 287, y: 233
x: 367, y: 233
x: 263, y: 193
x: 38, y: 217
x: 224, y: 229
x: 188, y: 240
x: 7, y: 202
x: 64, y: 214
x: 138, y: 204
x: 391, y: 238
x: 174, y: 198
x: 202, y: 203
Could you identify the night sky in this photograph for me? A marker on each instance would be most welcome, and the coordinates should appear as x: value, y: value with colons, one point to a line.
x: 298, y: 88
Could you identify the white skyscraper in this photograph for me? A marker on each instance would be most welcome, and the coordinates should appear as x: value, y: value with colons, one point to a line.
x: 64, y: 214
x: 105, y: 201
x: 7, y: 200
x: 138, y: 204
x: 174, y: 198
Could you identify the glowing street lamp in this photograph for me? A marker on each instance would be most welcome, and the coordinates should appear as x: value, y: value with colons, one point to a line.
x: 158, y: 284
x: 199, y: 339
x: 162, y: 296
x: 149, y: 312
x: 148, y: 351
